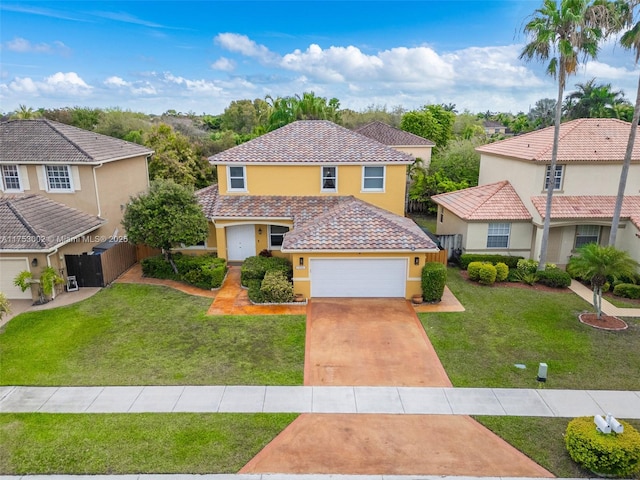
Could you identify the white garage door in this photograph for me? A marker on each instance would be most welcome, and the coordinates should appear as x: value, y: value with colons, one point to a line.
x: 9, y: 269
x: 358, y: 277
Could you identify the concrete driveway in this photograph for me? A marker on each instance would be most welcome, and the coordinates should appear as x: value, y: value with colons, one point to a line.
x: 369, y: 341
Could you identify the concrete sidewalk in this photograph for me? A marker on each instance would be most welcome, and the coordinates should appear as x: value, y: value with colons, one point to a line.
x: 607, y: 308
x: 301, y: 399
x: 264, y: 476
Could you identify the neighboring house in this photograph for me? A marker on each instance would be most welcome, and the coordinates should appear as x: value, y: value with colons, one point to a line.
x: 414, y: 145
x: 63, y: 165
x: 328, y: 199
x: 505, y: 213
x: 493, y: 128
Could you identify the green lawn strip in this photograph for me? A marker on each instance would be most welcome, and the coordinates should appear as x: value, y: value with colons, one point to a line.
x: 35, y: 443
x: 542, y: 440
x: 622, y: 302
x: 505, y: 326
x: 150, y: 335
x: 425, y: 221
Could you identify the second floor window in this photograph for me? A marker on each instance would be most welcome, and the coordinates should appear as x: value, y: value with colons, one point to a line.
x: 498, y: 235
x: 237, y: 180
x: 58, y: 178
x: 329, y: 179
x: 373, y: 179
x: 10, y: 178
x: 557, y: 177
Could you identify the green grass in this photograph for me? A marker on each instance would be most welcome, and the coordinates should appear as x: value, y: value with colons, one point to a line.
x: 426, y: 221
x: 622, y: 302
x: 150, y: 335
x: 542, y: 440
x: 34, y: 443
x: 505, y: 326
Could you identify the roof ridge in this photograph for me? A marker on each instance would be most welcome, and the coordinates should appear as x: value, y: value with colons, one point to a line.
x: 499, y: 186
x: 51, y: 125
x: 24, y: 221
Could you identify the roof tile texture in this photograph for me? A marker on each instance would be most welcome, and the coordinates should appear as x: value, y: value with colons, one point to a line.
x: 495, y: 201
x: 33, y: 222
x: 46, y: 141
x: 311, y: 141
x: 582, y: 140
x: 594, y: 206
x: 391, y: 136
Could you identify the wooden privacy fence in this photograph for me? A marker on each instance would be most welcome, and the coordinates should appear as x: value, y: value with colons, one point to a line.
x: 103, y: 265
x: 440, y: 257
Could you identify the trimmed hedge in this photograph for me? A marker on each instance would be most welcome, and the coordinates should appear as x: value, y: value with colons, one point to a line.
x: 467, y: 258
x: 255, y: 268
x: 487, y: 274
x: 276, y: 288
x: 604, y: 454
x: 502, y: 271
x: 554, y: 277
x: 434, y: 277
x: 203, y: 271
x: 627, y: 290
x: 473, y: 269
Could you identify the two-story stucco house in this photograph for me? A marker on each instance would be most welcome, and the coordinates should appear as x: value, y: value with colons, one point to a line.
x: 414, y: 145
x: 63, y: 190
x: 328, y: 199
x: 505, y: 213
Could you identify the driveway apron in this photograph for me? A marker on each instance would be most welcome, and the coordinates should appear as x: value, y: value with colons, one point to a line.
x: 380, y: 342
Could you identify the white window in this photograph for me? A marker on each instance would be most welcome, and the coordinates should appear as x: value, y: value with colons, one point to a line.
x: 557, y: 177
x: 587, y: 234
x: 276, y: 236
x: 498, y: 235
x: 58, y: 178
x: 329, y: 179
x: 237, y: 178
x: 10, y: 178
x: 373, y: 179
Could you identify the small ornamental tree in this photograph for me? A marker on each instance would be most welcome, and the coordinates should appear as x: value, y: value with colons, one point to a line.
x: 5, y: 307
x: 166, y: 216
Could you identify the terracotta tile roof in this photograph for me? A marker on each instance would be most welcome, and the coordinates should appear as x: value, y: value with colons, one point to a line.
x: 589, y: 206
x: 582, y: 140
x: 357, y: 225
x: 495, y: 201
x: 33, y: 222
x: 321, y: 223
x: 45, y: 141
x: 391, y: 136
x: 311, y: 141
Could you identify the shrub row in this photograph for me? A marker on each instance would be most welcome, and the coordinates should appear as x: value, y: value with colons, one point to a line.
x: 203, y: 271
x: 554, y: 278
x: 627, y: 290
x: 508, y: 260
x: 434, y: 277
x: 255, y: 268
x: 268, y: 279
x: 486, y: 273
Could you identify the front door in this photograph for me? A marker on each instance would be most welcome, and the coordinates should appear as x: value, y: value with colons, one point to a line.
x: 241, y: 242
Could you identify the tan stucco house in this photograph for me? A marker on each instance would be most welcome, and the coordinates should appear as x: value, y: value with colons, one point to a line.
x: 328, y: 199
x: 414, y: 145
x: 81, y: 179
x: 505, y: 213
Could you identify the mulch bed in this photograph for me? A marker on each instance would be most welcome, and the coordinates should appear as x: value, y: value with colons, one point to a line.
x: 606, y: 322
x: 536, y: 287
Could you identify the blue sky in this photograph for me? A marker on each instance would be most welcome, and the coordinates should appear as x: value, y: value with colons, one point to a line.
x: 198, y: 56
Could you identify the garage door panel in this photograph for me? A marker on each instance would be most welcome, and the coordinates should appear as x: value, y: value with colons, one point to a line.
x: 358, y: 277
x: 9, y: 269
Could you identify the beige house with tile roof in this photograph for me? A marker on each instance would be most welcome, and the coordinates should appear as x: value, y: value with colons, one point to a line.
x: 585, y: 182
x: 328, y: 199
x: 68, y: 169
x: 414, y: 145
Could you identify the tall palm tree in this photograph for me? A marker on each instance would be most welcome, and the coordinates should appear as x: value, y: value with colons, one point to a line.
x: 631, y: 41
x: 591, y: 100
x: 563, y: 33
x: 25, y: 113
x: 596, y: 264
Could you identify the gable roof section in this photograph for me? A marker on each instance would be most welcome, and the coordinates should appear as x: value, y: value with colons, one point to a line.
x: 311, y: 142
x: 356, y: 225
x: 35, y: 223
x: 494, y: 201
x: 582, y: 140
x: 392, y: 136
x: 46, y: 141
x: 589, y: 207
x: 321, y: 223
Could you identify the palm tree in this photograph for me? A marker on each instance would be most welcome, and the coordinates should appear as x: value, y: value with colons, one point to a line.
x: 25, y: 113
x: 596, y: 264
x: 563, y: 34
x: 593, y: 101
x: 631, y: 41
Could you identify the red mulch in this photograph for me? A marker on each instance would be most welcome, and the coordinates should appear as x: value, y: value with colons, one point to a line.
x: 606, y: 322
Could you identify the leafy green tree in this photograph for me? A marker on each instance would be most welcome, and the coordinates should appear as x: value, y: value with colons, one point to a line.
x: 467, y: 126
x: 243, y: 116
x: 175, y: 158
x: 592, y: 101
x: 284, y: 110
x: 563, y: 33
x: 597, y: 264
x: 542, y: 113
x: 432, y: 122
x: 118, y: 123
x: 25, y: 113
x: 166, y: 216
x: 5, y: 306
x: 459, y: 161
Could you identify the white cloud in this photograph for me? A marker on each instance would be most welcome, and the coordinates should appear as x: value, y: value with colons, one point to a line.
x: 57, y: 85
x: 198, y: 86
x: 242, y: 44
x: 137, y: 88
x: 116, y: 82
x: 224, y: 65
x: 22, y: 45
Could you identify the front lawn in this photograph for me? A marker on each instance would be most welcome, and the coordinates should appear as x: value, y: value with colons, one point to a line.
x: 34, y: 443
x: 150, y: 335
x: 504, y: 326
